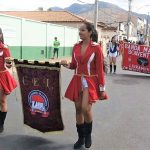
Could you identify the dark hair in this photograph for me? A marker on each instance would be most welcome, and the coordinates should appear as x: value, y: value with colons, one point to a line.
x: 90, y: 27
x: 112, y: 40
x: 125, y: 40
x: 2, y: 38
x: 113, y: 37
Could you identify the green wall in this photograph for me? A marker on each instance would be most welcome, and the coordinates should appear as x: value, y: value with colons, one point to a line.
x: 40, y: 53
x: 30, y: 39
x: 15, y: 51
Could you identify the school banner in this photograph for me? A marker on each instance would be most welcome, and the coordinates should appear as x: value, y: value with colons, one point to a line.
x: 136, y: 58
x: 40, y: 92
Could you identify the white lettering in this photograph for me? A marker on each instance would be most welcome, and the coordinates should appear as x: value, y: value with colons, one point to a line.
x: 139, y: 68
x: 38, y: 105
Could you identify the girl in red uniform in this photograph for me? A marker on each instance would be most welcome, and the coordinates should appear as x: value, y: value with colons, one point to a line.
x: 87, y: 85
x: 7, y: 83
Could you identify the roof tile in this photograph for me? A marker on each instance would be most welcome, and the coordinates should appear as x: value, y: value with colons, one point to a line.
x: 46, y: 16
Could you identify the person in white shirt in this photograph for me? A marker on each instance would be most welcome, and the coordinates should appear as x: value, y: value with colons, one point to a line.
x: 113, y: 53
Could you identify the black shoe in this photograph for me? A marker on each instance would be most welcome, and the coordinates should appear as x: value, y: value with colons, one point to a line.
x: 2, y: 119
x: 115, y: 68
x: 80, y: 131
x: 88, y: 138
x: 110, y: 69
x: 79, y: 143
x: 88, y: 141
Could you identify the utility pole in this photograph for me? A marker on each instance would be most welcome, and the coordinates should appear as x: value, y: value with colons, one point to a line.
x: 147, y: 27
x: 129, y: 19
x: 96, y: 14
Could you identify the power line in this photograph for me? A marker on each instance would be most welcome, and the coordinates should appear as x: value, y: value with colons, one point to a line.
x: 81, y: 1
x: 84, y: 2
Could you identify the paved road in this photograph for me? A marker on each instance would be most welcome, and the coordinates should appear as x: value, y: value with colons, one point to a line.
x: 121, y: 123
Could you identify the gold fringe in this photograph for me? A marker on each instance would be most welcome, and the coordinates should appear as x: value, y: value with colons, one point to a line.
x: 35, y: 66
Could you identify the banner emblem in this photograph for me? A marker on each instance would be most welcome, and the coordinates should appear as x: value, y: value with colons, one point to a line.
x: 142, y: 61
x: 38, y: 102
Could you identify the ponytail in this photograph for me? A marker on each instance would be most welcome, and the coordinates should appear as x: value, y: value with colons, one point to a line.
x: 90, y: 27
x: 94, y: 36
x: 2, y: 38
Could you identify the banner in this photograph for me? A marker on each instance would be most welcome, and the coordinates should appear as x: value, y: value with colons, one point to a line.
x: 40, y: 92
x: 136, y: 58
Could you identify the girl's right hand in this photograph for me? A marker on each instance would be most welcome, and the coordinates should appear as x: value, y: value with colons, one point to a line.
x: 64, y: 63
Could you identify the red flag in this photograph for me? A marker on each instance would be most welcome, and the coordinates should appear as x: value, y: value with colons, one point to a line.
x: 136, y: 58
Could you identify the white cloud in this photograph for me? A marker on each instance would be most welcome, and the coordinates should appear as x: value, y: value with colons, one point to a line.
x: 23, y: 4
x: 34, y: 4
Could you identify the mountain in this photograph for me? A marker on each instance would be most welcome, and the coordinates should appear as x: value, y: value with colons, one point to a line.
x: 78, y: 8
x: 144, y: 16
x: 56, y: 9
x: 108, y: 12
x: 81, y: 8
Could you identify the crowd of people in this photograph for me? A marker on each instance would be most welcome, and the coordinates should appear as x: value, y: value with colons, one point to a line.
x: 140, y: 42
x: 112, y: 48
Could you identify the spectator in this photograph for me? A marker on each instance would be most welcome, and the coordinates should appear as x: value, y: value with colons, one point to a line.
x: 56, y: 45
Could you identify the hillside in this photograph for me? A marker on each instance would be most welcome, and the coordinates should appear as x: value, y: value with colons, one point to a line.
x: 108, y: 12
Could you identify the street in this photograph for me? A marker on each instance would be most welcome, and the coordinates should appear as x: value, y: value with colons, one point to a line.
x: 120, y: 123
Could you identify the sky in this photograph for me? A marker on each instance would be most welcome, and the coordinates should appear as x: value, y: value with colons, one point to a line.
x: 15, y: 5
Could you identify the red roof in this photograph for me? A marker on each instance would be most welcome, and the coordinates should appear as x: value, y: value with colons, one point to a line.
x: 46, y: 16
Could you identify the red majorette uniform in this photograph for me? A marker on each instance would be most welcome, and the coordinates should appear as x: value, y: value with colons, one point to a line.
x: 7, y: 82
x: 89, y: 67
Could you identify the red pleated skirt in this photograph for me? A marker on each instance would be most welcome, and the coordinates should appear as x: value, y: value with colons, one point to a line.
x: 75, y: 88
x: 7, y: 82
